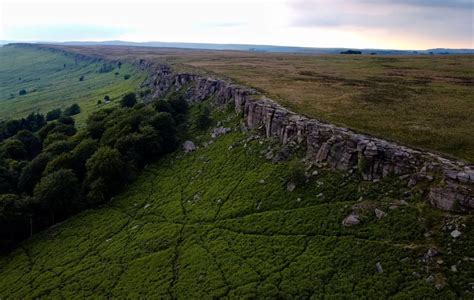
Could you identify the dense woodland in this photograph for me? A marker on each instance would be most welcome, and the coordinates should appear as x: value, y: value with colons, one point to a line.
x: 50, y: 170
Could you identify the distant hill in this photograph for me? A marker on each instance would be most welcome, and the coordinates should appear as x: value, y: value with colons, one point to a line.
x: 264, y: 48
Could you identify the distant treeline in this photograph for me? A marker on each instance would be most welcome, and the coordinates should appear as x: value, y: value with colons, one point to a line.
x: 50, y: 170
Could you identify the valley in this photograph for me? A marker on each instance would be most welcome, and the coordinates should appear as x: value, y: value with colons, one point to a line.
x: 258, y: 201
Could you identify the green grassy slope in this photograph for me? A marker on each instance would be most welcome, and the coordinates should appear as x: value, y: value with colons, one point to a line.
x: 52, y: 81
x: 220, y: 223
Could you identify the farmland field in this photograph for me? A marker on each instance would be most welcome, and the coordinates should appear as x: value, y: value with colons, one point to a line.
x: 422, y: 101
x: 52, y: 80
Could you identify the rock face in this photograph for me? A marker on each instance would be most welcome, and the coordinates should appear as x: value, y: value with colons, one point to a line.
x: 339, y: 148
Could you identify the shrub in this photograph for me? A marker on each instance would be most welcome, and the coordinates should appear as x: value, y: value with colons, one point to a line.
x: 22, y: 92
x: 203, y: 119
x: 126, y: 76
x: 129, y: 100
x: 54, y: 114
x: 296, y: 173
x: 162, y: 106
x: 72, y: 110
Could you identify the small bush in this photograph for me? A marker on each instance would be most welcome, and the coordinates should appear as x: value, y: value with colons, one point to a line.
x: 22, y: 92
x: 126, y: 76
x: 296, y: 173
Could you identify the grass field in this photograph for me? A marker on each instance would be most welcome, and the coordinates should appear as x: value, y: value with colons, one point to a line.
x: 205, y: 226
x: 51, y: 80
x: 422, y: 101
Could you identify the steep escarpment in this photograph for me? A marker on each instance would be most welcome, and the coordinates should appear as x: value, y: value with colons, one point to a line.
x: 451, y: 183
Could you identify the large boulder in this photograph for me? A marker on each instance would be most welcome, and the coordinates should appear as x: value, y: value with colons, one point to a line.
x: 189, y: 146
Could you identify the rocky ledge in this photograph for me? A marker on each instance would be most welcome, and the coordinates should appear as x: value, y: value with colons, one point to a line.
x: 451, y: 183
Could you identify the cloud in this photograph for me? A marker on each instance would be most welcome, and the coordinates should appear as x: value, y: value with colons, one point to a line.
x: 434, y: 19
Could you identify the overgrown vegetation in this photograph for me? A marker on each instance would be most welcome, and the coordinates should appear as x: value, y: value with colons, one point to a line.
x: 49, y: 171
x: 220, y: 223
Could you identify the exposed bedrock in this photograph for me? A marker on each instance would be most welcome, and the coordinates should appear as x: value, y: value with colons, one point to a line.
x: 451, y: 182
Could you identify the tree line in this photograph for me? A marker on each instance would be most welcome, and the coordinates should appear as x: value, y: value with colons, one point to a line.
x: 50, y: 170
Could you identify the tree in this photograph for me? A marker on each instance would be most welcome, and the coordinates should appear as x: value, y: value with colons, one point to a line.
x: 31, y: 143
x: 62, y: 161
x: 106, y: 98
x: 54, y: 114
x: 129, y: 100
x: 81, y: 153
x: 31, y: 173
x: 22, y: 92
x: 162, y: 106
x: 107, y: 165
x: 57, y: 193
x: 72, y: 110
x: 179, y: 105
x: 14, y: 149
x: 15, y: 219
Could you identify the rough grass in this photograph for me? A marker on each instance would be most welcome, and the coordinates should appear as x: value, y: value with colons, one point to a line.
x: 52, y: 81
x: 422, y: 101
x: 220, y: 223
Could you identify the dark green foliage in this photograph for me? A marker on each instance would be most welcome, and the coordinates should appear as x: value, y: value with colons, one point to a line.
x: 179, y: 105
x: 296, y: 173
x: 13, y: 149
x: 7, y: 182
x: 58, y: 147
x: 15, y: 221
x: 162, y: 106
x: 57, y: 193
x: 67, y: 120
x: 106, y: 173
x: 106, y: 98
x: 203, y: 119
x: 31, y: 173
x: 72, y: 110
x: 126, y: 76
x: 22, y: 92
x: 30, y: 142
x: 129, y: 100
x: 81, y: 78
x: 54, y: 114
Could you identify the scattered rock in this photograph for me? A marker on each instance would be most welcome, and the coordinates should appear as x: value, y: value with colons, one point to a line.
x: 146, y: 206
x: 189, y: 146
x: 290, y: 187
x: 378, y: 267
x: 379, y: 213
x: 315, y: 173
x: 455, y: 233
x: 217, y: 132
x: 351, y: 220
x: 298, y: 199
x: 197, y: 197
x: 454, y: 268
x: 432, y: 252
x: 262, y: 181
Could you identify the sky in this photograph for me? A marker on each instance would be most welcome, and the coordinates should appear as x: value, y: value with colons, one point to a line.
x: 387, y: 24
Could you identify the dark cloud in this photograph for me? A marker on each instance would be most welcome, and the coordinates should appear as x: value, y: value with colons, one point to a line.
x: 430, y: 18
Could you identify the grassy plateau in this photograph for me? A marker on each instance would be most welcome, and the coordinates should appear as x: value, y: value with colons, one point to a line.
x: 221, y: 223
x: 52, y: 80
x: 422, y: 101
